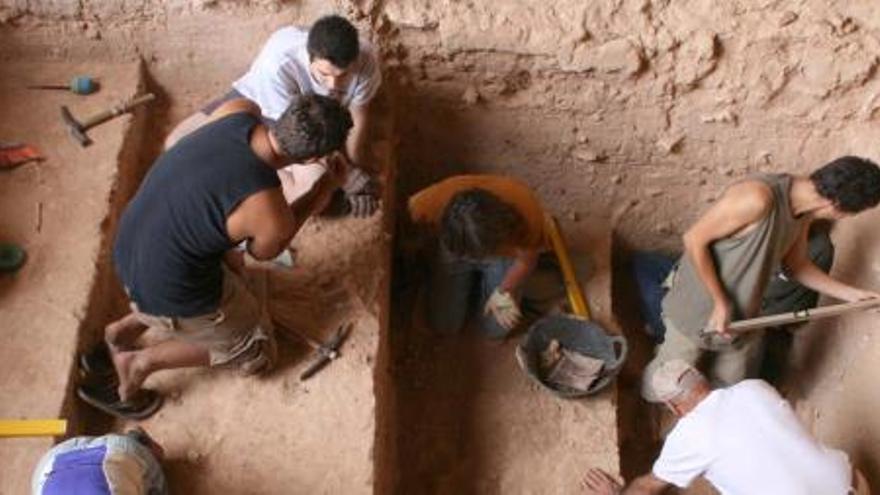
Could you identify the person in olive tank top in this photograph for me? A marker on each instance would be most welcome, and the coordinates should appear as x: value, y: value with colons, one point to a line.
x: 758, y: 226
x: 175, y: 253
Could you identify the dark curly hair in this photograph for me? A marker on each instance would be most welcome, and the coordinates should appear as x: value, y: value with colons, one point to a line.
x: 476, y: 223
x: 311, y: 127
x: 334, y: 39
x: 850, y: 182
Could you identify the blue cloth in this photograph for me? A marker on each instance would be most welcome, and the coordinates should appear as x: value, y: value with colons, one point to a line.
x: 650, y: 269
x: 79, y: 467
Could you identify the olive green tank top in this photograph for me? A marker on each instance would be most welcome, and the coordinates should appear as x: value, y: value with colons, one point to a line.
x: 744, y: 265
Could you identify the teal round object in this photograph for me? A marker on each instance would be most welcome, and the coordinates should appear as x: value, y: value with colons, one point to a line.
x: 11, y: 257
x: 83, y: 85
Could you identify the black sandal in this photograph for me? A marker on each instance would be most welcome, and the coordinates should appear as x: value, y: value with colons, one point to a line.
x: 96, y: 362
x: 144, y: 404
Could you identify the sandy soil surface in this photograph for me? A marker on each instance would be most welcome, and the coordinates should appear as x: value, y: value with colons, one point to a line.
x: 54, y: 209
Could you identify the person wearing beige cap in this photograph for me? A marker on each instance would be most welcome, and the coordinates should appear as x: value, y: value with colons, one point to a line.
x: 744, y: 439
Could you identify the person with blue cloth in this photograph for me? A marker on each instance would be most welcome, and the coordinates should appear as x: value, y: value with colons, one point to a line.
x: 113, y: 464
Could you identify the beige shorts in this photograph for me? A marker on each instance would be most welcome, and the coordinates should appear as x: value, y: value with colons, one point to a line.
x: 237, y: 335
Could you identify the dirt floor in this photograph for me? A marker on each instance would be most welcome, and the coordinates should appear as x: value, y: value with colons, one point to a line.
x: 55, y: 210
x: 629, y: 115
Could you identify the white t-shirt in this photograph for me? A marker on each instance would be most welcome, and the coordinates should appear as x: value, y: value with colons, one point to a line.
x: 281, y: 70
x: 746, y: 440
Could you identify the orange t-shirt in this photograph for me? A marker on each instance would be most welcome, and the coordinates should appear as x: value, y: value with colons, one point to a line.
x: 429, y: 204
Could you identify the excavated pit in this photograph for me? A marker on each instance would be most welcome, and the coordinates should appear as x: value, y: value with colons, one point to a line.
x: 625, y: 116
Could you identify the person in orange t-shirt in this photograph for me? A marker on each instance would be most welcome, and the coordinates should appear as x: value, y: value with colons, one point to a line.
x: 490, y: 230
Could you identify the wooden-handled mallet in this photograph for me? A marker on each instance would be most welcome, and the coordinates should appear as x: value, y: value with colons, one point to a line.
x: 78, y: 129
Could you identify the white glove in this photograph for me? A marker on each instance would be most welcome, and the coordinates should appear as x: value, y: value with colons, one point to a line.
x: 504, y: 308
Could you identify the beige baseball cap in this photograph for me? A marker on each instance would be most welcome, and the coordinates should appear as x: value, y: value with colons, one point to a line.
x: 669, y: 380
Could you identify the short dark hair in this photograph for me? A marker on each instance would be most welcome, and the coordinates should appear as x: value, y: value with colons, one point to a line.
x: 334, y: 39
x: 311, y: 127
x: 476, y: 223
x: 850, y: 182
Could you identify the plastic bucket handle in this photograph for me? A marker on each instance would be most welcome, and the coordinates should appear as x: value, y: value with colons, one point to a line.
x: 621, y: 355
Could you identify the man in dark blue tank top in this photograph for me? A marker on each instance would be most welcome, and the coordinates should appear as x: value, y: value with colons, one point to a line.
x: 174, y: 247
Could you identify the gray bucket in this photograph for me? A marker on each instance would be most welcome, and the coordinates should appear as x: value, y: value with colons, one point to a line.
x: 579, y: 335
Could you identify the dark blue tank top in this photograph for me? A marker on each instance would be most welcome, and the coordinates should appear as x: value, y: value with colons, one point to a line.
x: 172, y: 236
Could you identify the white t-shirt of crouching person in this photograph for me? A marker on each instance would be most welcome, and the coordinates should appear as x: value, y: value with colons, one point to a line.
x: 281, y: 71
x: 746, y: 440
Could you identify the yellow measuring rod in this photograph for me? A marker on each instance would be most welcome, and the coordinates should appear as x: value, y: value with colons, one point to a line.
x: 32, y: 427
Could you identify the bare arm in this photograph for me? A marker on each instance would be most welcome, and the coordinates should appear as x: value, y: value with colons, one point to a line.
x: 645, y: 485
x: 355, y: 144
x: 740, y: 206
x: 802, y: 269
x: 526, y: 259
x: 598, y: 482
x: 269, y: 223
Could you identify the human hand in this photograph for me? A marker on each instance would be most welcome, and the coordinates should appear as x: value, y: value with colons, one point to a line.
x: 504, y: 308
x: 719, y: 320
x: 335, y: 170
x: 598, y: 482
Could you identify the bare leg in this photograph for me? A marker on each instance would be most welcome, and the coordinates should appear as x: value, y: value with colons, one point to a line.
x: 122, y: 333
x: 133, y: 367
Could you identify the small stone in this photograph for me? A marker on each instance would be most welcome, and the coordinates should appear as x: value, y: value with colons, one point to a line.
x: 194, y: 457
x: 787, y: 18
x: 616, y: 179
x: 574, y: 216
x: 670, y: 144
x: 724, y: 117
x: 590, y: 155
x: 663, y: 228
x: 471, y: 96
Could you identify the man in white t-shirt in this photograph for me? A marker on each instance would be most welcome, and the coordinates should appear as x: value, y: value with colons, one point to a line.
x: 330, y: 60
x: 744, y: 439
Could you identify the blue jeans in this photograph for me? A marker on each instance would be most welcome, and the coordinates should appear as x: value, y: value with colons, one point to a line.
x: 80, y: 465
x: 459, y: 288
x: 650, y: 270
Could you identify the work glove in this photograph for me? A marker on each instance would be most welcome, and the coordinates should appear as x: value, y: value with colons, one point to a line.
x: 361, y: 194
x: 503, y: 308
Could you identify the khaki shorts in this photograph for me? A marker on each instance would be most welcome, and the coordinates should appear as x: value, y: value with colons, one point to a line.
x: 237, y: 335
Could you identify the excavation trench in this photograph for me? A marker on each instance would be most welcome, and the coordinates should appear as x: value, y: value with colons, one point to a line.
x: 403, y: 410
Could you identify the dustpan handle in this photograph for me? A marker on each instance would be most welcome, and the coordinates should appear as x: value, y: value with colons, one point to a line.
x: 572, y: 287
